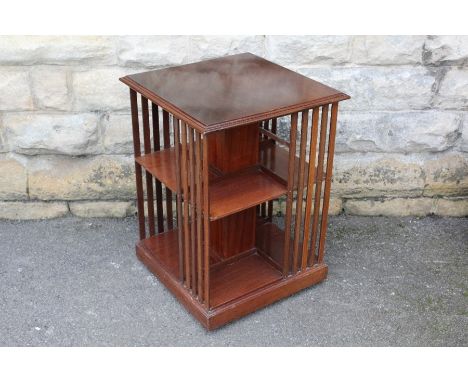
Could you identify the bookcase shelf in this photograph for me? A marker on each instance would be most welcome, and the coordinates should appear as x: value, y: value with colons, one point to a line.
x: 209, y: 135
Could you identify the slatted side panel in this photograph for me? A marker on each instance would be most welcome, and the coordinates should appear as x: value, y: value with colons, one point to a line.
x: 157, y: 183
x: 138, y: 168
x: 152, y: 132
x: 309, y: 183
x: 192, y: 202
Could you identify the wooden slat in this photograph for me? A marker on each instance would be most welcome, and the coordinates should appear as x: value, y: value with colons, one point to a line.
x: 158, y: 185
x: 191, y: 174
x: 289, y: 198
x: 318, y: 185
x: 138, y: 174
x: 326, y: 194
x: 310, y: 187
x: 167, y: 144
x: 185, y: 195
x: 148, y: 177
x: 300, y: 188
x: 270, y: 203
x: 206, y: 224
x: 274, y: 137
x: 198, y: 204
x: 175, y: 124
x: 274, y: 124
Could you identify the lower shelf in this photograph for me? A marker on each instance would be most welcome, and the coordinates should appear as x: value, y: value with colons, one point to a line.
x: 237, y: 288
x: 228, y: 281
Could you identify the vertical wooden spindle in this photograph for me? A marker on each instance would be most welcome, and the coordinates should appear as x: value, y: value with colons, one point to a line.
x: 148, y: 176
x: 185, y: 196
x: 310, y: 187
x: 300, y: 187
x: 263, y: 206
x: 289, y: 195
x: 167, y: 145
x: 191, y: 161
x: 138, y: 171
x: 158, y: 185
x: 328, y: 177
x: 270, y: 203
x: 175, y: 124
x: 198, y: 203
x: 206, y: 224
x: 318, y: 184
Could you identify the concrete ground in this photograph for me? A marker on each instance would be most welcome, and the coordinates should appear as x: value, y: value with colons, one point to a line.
x: 76, y: 282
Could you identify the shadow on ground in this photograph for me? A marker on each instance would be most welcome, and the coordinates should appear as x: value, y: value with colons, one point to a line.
x: 76, y: 282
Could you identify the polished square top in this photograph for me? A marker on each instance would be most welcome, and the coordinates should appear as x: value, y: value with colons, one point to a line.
x: 231, y: 91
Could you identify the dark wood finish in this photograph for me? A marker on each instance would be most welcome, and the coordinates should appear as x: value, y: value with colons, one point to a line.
x: 148, y: 177
x: 193, y: 221
x: 300, y: 188
x: 199, y: 212
x: 326, y: 194
x: 167, y: 144
x: 226, y: 167
x: 289, y: 196
x: 310, y: 187
x: 318, y: 186
x: 158, y: 185
x: 138, y: 174
x: 178, y: 190
x: 206, y: 225
x: 234, y: 149
x: 161, y: 164
x: 241, y: 191
x: 231, y: 91
x: 155, y: 253
x: 185, y: 205
x: 233, y: 234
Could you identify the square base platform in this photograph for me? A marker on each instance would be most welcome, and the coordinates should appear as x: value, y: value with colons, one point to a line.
x: 238, y: 287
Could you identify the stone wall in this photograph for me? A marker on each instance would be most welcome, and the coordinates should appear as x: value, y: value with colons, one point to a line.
x: 65, y: 135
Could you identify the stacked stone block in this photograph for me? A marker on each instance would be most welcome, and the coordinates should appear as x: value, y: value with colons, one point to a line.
x: 65, y: 132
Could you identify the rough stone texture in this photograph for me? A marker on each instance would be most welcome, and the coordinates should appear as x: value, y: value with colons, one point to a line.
x: 100, y: 89
x: 447, y: 175
x: 451, y: 207
x: 74, y: 134
x: 32, y: 210
x: 453, y: 92
x: 206, y: 47
x: 13, y: 178
x: 390, y: 207
x: 31, y: 50
x: 398, y: 132
x: 100, y: 177
x: 50, y: 88
x: 378, y: 88
x: 101, y: 209
x: 377, y: 175
x: 464, y: 134
x: 15, y: 91
x: 446, y: 50
x: 308, y: 50
x: 153, y: 51
x: 117, y: 133
x: 388, y: 50
x: 404, y: 133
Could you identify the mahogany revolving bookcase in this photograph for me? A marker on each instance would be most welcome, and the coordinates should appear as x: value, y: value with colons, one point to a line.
x: 211, y: 140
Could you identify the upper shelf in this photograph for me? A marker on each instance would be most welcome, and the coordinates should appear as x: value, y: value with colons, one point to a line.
x: 229, y: 194
x: 161, y: 164
x: 235, y: 193
x: 231, y: 91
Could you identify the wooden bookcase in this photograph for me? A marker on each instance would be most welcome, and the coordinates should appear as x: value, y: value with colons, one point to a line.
x: 207, y: 136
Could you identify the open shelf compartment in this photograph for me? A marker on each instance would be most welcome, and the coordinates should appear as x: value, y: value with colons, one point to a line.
x: 229, y: 280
